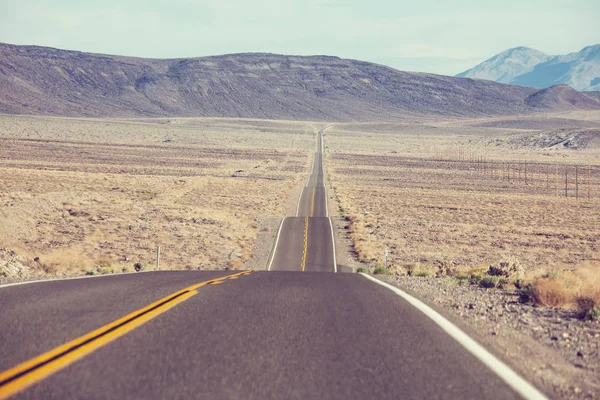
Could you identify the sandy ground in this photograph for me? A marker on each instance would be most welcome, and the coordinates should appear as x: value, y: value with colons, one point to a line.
x: 423, y: 192
x: 81, y: 193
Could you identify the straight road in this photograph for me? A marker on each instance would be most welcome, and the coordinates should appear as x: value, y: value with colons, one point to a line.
x: 305, y: 241
x: 242, y: 335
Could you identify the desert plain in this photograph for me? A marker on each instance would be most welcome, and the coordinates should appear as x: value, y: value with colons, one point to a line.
x: 89, y: 196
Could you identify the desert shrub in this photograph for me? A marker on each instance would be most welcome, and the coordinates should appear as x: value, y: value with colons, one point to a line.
x: 592, y: 314
x: 525, y: 293
x: 445, y: 268
x: 100, y: 269
x: 491, y: 281
x: 588, y: 304
x: 380, y: 271
x: 361, y: 270
x: 475, y: 279
x: 509, y: 269
x: 138, y: 266
x: 461, y: 278
x: 550, y: 292
x: 411, y: 268
x: 449, y: 281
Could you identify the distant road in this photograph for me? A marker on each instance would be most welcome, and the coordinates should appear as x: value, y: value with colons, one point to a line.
x: 305, y: 241
x: 296, y: 334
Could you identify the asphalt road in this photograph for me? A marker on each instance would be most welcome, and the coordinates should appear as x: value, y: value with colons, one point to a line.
x: 288, y: 335
x: 305, y: 241
x: 236, y: 335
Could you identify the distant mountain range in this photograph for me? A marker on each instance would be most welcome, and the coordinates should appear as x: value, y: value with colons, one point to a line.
x: 528, y: 67
x: 47, y: 81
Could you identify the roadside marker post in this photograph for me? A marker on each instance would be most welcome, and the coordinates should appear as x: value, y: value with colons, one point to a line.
x: 386, y: 258
x: 158, y: 258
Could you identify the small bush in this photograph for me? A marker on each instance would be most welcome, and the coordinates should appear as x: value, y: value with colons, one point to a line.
x: 592, y: 314
x: 525, y: 293
x: 445, y: 268
x: 550, y: 292
x: 475, y: 279
x: 100, y: 269
x: 508, y: 269
x: 138, y: 266
x: 491, y: 282
x: 380, y: 271
x: 462, y: 279
x: 361, y: 270
x: 411, y: 268
x: 449, y: 281
x: 589, y: 305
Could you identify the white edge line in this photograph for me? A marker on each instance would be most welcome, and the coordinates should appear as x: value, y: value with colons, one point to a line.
x: 276, y: 242
x: 71, y: 278
x: 510, y: 377
x: 333, y: 246
x: 326, y: 201
x: 299, y: 200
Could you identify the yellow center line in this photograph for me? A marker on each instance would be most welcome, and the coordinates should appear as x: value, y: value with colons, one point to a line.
x: 305, y: 243
x: 312, y: 203
x: 34, y: 370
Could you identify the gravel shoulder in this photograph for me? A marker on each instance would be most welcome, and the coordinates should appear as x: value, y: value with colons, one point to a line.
x: 551, y: 348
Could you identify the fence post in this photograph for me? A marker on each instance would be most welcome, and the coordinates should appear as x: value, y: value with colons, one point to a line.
x: 567, y: 181
x: 577, y: 182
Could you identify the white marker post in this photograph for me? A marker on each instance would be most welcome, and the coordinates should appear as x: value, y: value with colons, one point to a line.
x: 386, y: 258
x: 158, y: 258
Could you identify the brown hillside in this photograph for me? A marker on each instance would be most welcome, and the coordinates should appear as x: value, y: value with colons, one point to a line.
x: 561, y: 97
x: 40, y: 80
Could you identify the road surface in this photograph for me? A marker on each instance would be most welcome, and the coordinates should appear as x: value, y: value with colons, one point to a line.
x: 305, y: 241
x: 238, y: 334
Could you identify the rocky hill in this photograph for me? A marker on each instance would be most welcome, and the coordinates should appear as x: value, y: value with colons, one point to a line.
x: 508, y: 65
x: 528, y: 67
x: 41, y: 80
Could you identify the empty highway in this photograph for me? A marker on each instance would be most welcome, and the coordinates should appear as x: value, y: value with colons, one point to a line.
x: 305, y: 242
x: 292, y: 333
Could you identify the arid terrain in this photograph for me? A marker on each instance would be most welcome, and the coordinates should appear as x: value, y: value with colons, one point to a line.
x: 94, y: 196
x: 45, y: 81
x: 449, y: 200
x: 471, y: 192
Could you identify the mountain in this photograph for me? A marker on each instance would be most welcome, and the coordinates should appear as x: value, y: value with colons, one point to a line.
x: 579, y: 70
x: 508, y: 65
x: 47, y: 81
x: 527, y: 67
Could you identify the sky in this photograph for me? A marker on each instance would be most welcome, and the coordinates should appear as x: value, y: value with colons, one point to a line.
x: 438, y: 36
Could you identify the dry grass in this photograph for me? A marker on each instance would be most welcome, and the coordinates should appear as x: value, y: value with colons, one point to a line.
x: 402, y: 187
x: 79, y: 193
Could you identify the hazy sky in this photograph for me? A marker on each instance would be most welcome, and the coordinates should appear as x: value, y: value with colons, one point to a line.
x: 438, y: 36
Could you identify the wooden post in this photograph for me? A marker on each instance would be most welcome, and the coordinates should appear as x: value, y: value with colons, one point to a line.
x: 556, y: 181
x: 566, y: 181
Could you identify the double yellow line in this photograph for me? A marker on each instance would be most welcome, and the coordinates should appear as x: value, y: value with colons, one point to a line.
x: 34, y: 370
x: 305, y: 244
